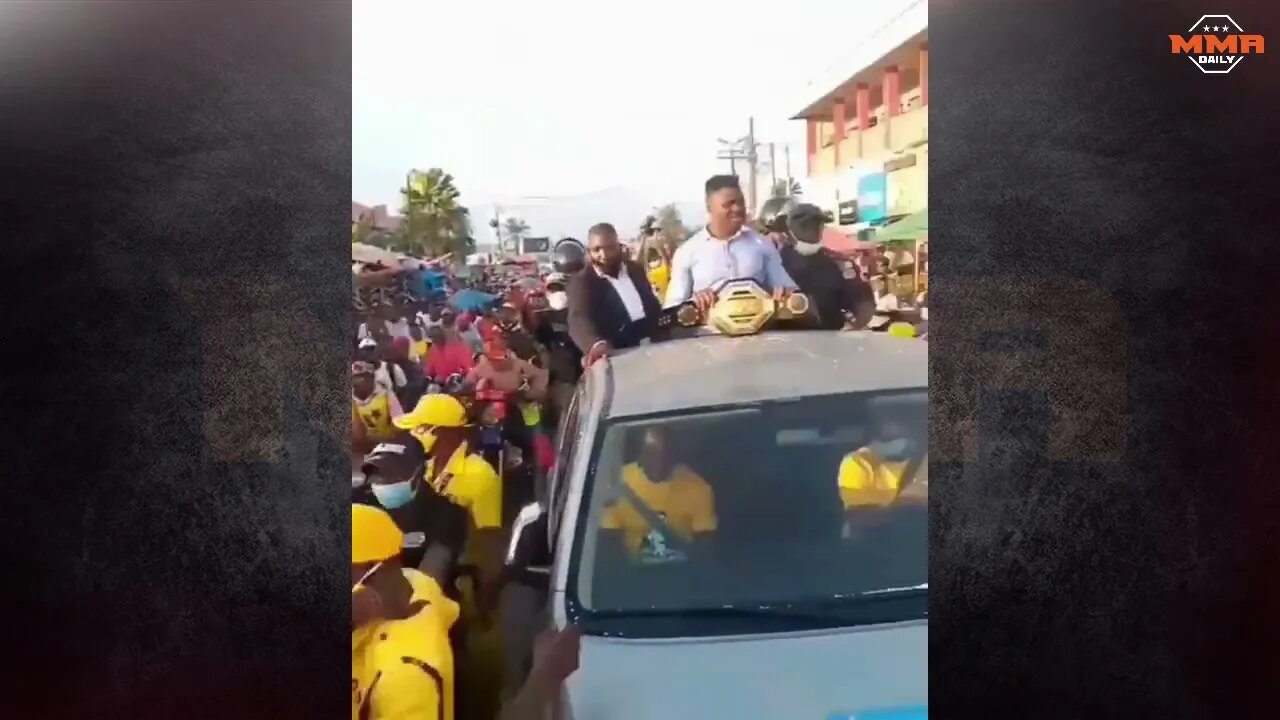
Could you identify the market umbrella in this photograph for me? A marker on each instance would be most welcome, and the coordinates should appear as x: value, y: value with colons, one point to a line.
x: 471, y: 300
x: 908, y: 229
x: 361, y: 252
x: 842, y: 243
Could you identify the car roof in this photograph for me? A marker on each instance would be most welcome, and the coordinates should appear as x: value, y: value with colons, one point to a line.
x: 709, y: 371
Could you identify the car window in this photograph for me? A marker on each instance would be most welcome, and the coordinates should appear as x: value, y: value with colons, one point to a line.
x: 566, y: 441
x: 812, y: 500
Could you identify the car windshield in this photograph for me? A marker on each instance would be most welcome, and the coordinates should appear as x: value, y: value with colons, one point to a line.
x: 813, y: 502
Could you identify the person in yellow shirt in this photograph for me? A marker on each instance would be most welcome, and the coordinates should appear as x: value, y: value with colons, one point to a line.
x: 418, y: 345
x: 662, y: 505
x: 455, y: 471
x: 878, y: 474
x: 373, y: 407
x: 401, y: 661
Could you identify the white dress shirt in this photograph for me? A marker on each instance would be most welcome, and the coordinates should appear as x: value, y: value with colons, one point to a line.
x: 702, y: 261
x: 626, y: 289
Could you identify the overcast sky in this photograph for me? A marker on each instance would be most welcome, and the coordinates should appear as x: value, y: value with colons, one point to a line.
x: 608, y: 108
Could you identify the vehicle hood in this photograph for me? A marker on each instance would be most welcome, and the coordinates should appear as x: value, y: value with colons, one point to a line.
x: 878, y: 673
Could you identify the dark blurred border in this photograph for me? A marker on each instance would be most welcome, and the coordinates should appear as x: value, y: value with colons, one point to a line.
x: 1105, y: 541
x: 176, y: 180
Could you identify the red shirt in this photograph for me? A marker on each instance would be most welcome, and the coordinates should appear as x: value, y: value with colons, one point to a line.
x: 447, y: 359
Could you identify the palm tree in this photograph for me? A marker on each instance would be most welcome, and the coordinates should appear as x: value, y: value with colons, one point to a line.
x: 515, y: 230
x: 433, y: 223
x: 786, y: 188
x: 668, y: 219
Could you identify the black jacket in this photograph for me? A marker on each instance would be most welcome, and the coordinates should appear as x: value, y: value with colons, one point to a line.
x: 596, y: 312
x: 553, y: 333
x: 832, y: 294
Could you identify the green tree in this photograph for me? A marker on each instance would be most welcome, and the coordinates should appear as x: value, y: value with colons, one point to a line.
x: 785, y: 188
x: 668, y: 219
x: 432, y: 221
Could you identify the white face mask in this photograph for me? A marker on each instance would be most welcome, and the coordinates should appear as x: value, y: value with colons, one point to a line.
x: 808, y: 248
x: 558, y: 300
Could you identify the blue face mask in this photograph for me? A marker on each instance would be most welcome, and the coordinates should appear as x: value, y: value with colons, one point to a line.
x: 395, y: 495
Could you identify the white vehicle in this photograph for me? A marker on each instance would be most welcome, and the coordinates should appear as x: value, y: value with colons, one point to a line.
x: 768, y: 606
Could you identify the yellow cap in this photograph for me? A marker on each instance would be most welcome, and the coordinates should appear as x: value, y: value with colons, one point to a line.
x: 435, y: 409
x: 902, y: 330
x: 374, y: 535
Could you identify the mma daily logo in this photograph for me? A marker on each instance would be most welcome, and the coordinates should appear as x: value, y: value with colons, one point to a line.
x: 1216, y: 44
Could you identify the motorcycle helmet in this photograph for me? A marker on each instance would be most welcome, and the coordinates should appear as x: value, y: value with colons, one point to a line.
x: 774, y: 214
x: 805, y: 223
x: 568, y: 256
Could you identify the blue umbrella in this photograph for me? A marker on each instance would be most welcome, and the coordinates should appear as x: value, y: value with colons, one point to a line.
x: 471, y: 300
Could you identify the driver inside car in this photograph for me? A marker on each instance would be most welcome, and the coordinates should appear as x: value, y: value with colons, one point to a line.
x: 662, y: 506
x: 879, y: 475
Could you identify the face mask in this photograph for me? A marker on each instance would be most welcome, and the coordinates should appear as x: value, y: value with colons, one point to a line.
x: 808, y: 249
x: 426, y: 436
x: 889, y: 449
x: 395, y: 495
x: 558, y: 300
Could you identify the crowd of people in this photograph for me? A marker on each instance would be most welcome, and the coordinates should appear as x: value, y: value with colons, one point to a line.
x: 452, y: 412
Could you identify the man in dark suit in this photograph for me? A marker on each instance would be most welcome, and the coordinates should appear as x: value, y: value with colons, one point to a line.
x: 611, y: 303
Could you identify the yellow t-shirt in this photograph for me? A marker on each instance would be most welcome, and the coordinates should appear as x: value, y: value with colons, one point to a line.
x: 375, y: 413
x: 660, y: 278
x: 471, y: 482
x: 403, y: 669
x: 866, y: 480
x: 685, y: 501
x: 418, y: 350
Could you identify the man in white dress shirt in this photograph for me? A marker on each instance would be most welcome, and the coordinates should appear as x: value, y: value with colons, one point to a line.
x: 724, y: 250
x: 611, y: 303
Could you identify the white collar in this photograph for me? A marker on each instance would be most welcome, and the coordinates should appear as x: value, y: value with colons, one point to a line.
x: 743, y: 231
x: 622, y: 272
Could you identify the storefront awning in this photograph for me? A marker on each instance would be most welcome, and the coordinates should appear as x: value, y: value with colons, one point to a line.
x: 842, y: 243
x: 908, y: 229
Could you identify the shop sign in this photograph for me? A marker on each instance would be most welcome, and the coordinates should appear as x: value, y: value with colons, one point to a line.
x: 872, y: 198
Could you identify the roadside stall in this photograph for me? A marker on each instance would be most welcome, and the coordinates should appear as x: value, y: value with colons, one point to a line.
x: 911, y: 234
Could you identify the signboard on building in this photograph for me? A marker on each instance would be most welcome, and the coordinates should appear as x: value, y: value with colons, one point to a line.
x: 872, y: 198
x: 907, y: 186
x: 900, y: 163
x: 848, y: 213
x: 531, y: 245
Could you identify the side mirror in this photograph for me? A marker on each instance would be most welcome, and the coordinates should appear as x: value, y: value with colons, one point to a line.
x: 527, y: 550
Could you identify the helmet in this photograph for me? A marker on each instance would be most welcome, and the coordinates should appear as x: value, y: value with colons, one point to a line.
x: 568, y: 256
x: 774, y: 213
x: 805, y: 222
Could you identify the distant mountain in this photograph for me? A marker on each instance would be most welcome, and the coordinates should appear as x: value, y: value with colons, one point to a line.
x: 624, y: 207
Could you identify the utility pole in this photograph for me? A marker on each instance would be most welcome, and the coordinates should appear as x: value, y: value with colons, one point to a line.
x: 773, y: 171
x: 753, y: 161
x: 786, y: 151
x: 744, y: 148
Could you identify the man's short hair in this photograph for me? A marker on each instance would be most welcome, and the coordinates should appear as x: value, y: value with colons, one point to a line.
x: 603, y: 229
x: 716, y: 183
